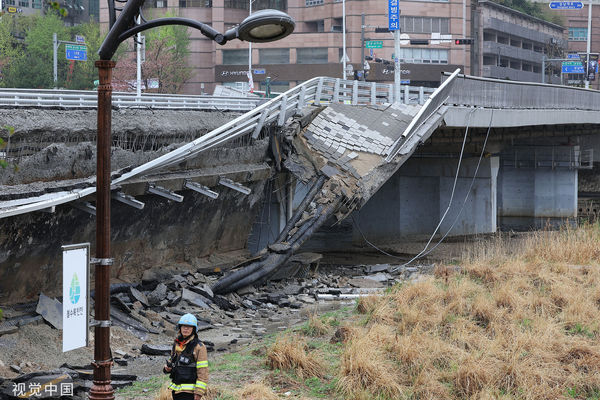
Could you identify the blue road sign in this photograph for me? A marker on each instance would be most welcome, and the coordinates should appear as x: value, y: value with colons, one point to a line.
x: 575, y: 56
x: 76, y: 52
x: 566, y: 5
x: 260, y: 71
x: 393, y: 15
x: 572, y: 69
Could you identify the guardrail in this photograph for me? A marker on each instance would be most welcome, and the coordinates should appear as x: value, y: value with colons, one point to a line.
x: 89, y: 99
x: 351, y: 92
x: 498, y: 93
x: 321, y: 90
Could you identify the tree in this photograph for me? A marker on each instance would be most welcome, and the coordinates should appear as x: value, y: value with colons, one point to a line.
x: 35, y: 68
x: 167, y: 48
x: 10, y: 48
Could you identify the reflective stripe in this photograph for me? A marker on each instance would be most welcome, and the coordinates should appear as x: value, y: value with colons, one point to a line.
x: 183, y: 386
x: 202, y: 364
x: 201, y: 385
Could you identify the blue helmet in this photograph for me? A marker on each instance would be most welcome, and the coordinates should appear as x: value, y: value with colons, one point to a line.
x: 188, y: 319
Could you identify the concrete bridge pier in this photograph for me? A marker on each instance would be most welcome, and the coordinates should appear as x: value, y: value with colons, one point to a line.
x: 537, y: 186
x: 414, y: 200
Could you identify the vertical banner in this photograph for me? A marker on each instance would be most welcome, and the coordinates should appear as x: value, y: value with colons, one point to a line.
x: 590, y: 67
x: 76, y: 272
x: 394, y: 15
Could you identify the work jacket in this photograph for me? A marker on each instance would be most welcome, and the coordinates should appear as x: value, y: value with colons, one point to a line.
x: 189, y: 372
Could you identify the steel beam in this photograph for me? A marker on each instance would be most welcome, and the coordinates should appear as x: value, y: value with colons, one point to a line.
x: 196, y: 187
x: 129, y: 200
x: 234, y: 185
x: 167, y: 194
x: 85, y: 206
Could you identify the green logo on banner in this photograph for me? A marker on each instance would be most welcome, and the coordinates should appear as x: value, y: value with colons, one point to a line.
x: 75, y: 290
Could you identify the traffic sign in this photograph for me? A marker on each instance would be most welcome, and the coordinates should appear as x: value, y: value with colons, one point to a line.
x: 374, y: 44
x: 79, y: 39
x: 566, y: 5
x: 572, y: 67
x: 572, y: 55
x: 260, y: 71
x: 76, y: 52
x: 393, y: 15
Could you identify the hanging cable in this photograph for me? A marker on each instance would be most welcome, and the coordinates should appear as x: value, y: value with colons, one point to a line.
x: 462, y: 150
x: 468, y: 191
x: 369, y: 243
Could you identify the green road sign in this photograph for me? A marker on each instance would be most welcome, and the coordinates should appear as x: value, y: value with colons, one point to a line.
x: 76, y: 52
x: 374, y: 44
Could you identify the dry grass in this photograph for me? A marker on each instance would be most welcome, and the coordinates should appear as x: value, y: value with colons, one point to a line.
x: 315, y: 326
x: 291, y: 354
x: 515, y: 321
x: 256, y: 391
x: 164, y: 393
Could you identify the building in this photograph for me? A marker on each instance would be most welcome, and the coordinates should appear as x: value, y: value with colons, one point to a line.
x: 507, y: 44
x: 315, y: 48
x: 511, y: 45
x: 78, y: 11
x: 576, y: 24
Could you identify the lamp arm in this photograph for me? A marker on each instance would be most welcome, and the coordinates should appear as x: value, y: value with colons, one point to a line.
x: 206, y: 30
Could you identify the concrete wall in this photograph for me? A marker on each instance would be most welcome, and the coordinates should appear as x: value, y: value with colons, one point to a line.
x: 162, y: 234
x: 533, y: 198
x: 413, y: 201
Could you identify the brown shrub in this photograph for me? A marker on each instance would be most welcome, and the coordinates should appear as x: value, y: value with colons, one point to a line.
x: 164, y: 393
x: 290, y: 353
x: 367, y: 304
x: 365, y: 368
x: 256, y: 391
x: 316, y: 327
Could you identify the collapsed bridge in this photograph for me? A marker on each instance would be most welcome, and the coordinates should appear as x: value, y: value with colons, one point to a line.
x: 331, y: 146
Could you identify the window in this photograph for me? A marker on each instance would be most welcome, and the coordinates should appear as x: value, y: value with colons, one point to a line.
x: 195, y: 3
x: 578, y: 34
x: 314, y: 55
x: 10, y: 2
x: 156, y: 4
x: 280, y: 5
x: 274, y: 56
x: 235, y: 57
x: 425, y: 24
x: 315, y: 26
x: 424, y: 56
x: 36, y: 4
x: 311, y: 3
x: 239, y: 4
x: 23, y: 3
x: 275, y: 86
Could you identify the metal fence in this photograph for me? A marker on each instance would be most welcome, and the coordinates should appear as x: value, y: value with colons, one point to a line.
x: 352, y: 92
x: 89, y: 99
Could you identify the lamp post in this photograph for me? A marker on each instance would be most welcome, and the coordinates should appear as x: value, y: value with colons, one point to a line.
x: 262, y: 26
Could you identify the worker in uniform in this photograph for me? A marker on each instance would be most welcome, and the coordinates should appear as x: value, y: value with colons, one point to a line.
x: 188, y: 364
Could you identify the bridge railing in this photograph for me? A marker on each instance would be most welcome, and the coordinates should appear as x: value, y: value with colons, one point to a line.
x: 498, y: 93
x: 89, y: 99
x: 336, y: 90
x: 321, y: 90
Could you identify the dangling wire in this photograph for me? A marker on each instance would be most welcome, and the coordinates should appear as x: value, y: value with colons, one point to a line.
x: 468, y: 192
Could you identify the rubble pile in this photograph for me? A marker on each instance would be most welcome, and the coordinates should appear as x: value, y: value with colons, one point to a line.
x: 150, y: 310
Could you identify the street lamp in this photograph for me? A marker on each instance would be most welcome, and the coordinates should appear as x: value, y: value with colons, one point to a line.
x: 263, y: 26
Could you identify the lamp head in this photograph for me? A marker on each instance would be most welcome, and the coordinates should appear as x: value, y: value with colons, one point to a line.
x: 263, y: 26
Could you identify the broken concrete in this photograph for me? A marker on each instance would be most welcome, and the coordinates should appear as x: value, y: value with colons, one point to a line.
x: 51, y: 310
